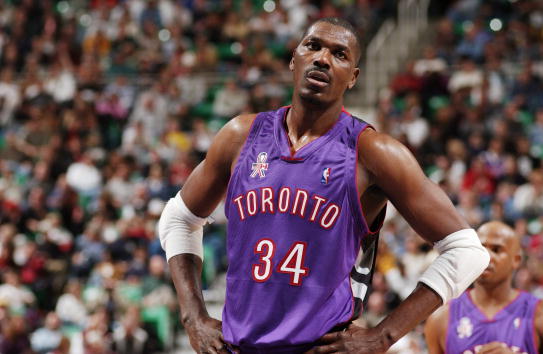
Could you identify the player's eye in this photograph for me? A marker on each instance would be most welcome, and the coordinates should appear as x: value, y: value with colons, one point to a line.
x: 341, y: 55
x: 312, y: 46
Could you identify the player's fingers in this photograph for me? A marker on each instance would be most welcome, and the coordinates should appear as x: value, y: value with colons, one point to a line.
x: 330, y: 338
x: 209, y: 350
x: 490, y: 345
x: 500, y: 350
x: 219, y: 346
x: 323, y: 349
x: 492, y: 348
x: 233, y: 350
x: 224, y: 350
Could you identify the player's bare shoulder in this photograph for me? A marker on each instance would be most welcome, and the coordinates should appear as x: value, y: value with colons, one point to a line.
x: 237, y: 129
x: 375, y: 145
x: 230, y: 139
x: 382, y: 155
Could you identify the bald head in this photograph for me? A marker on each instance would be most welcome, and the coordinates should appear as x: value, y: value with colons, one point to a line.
x: 497, y: 230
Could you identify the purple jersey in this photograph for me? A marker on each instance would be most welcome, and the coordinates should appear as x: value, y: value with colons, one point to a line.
x: 513, y: 325
x: 295, y: 225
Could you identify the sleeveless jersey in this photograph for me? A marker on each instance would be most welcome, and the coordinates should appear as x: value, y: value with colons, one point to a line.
x: 513, y: 325
x: 295, y: 227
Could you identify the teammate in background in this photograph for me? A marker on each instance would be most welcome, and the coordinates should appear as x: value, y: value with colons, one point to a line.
x: 493, y: 317
x: 305, y: 185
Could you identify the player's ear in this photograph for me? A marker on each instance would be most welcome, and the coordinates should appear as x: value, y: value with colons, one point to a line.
x: 517, y: 260
x: 291, y: 64
x: 356, y: 72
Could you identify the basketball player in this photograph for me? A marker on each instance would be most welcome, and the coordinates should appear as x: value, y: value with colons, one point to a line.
x: 305, y: 185
x: 493, y: 317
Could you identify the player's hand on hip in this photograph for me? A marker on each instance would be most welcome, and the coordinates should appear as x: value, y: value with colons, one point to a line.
x: 354, y: 339
x: 205, y: 336
x: 494, y: 348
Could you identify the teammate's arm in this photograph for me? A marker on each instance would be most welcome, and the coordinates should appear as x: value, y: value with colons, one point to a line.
x: 201, y: 194
x: 435, y: 330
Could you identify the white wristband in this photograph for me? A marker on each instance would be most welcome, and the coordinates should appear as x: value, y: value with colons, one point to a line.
x: 461, y: 260
x: 179, y: 230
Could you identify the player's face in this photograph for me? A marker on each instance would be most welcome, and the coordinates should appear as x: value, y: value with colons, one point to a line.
x: 504, y: 253
x: 324, y: 63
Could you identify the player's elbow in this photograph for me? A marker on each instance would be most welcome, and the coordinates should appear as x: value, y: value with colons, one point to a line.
x: 481, y: 254
x: 461, y: 260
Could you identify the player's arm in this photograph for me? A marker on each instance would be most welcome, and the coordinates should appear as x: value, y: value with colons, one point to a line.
x: 393, y: 169
x: 539, y: 326
x: 180, y: 230
x: 435, y: 330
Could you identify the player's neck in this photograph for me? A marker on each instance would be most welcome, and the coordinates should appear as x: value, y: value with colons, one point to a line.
x: 494, y: 295
x: 303, y: 119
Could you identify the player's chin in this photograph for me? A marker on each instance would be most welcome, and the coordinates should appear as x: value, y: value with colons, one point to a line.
x: 312, y: 97
x: 486, y: 277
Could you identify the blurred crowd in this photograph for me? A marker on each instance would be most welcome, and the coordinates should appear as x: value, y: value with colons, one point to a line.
x: 470, y: 108
x: 107, y: 106
x: 105, y: 109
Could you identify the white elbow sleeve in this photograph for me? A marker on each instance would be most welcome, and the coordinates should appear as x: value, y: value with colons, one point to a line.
x: 179, y: 230
x: 461, y: 260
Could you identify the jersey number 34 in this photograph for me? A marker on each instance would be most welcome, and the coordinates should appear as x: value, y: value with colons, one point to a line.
x: 292, y: 263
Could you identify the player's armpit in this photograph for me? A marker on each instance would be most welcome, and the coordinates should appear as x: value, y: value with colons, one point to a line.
x: 435, y: 330
x: 207, y: 184
x: 391, y: 167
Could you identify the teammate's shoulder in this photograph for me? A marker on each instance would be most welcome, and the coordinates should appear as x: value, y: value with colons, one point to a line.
x: 539, y: 305
x: 538, y: 320
x: 441, y: 315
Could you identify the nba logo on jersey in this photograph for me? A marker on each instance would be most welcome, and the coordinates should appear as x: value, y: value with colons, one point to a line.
x: 260, y: 166
x: 325, y: 175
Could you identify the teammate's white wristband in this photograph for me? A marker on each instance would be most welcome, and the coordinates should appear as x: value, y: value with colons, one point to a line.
x: 461, y: 260
x: 179, y: 230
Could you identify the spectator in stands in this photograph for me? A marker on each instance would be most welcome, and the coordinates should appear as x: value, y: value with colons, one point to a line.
x: 9, y: 96
x: 230, y: 100
x: 528, y: 198
x: 467, y: 77
x: 430, y: 63
x: 151, y: 109
x: 47, y: 338
x: 407, y: 81
x: 14, y: 336
x: 70, y: 307
x: 13, y: 293
x: 129, y: 337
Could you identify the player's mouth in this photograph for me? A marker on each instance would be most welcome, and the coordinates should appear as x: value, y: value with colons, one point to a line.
x: 317, y: 78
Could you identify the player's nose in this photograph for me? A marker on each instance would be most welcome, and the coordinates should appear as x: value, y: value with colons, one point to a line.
x: 322, y: 58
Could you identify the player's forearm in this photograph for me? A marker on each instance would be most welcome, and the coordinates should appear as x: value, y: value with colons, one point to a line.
x: 186, y: 270
x: 412, y: 311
